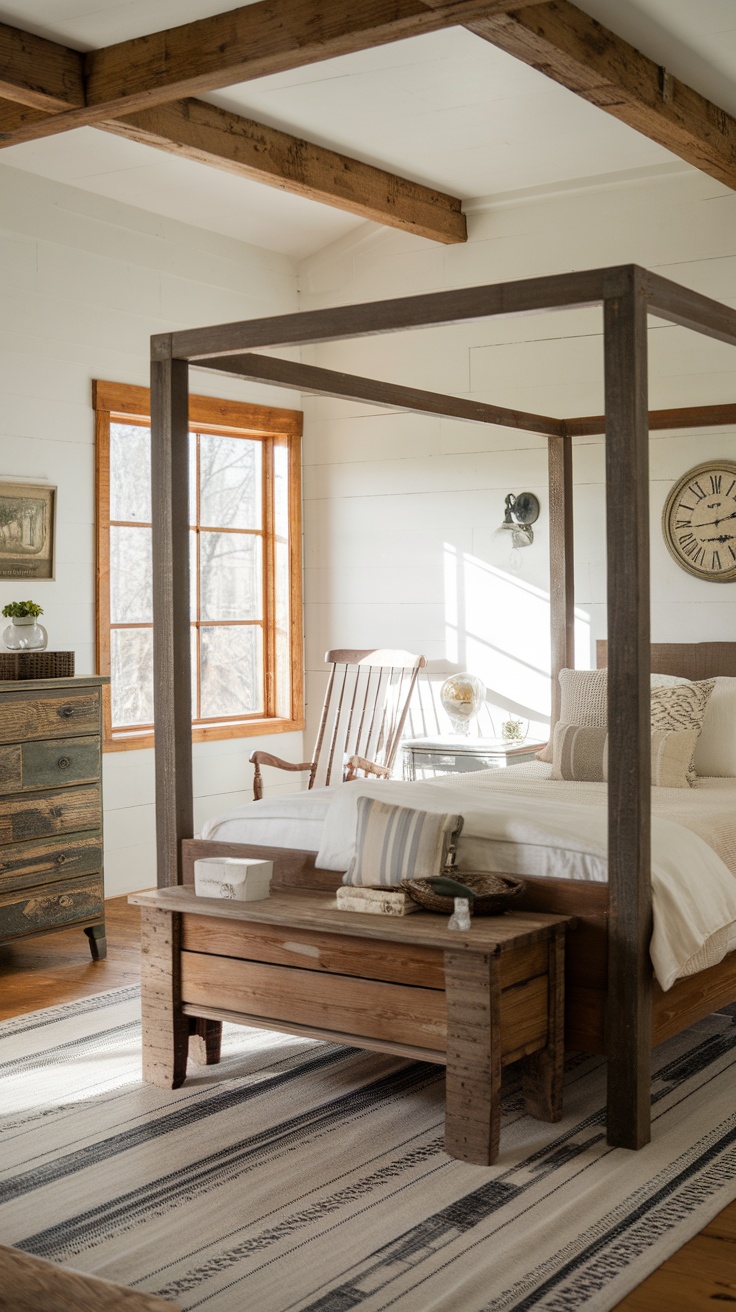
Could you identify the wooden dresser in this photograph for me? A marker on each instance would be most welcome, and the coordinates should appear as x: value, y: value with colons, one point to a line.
x: 51, y: 808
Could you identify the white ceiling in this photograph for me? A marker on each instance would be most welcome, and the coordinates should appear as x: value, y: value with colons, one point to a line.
x: 447, y: 109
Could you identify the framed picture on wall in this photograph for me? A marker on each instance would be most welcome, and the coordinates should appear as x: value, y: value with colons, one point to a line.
x: 27, y: 530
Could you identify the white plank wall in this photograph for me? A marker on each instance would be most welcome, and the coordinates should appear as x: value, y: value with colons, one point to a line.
x: 85, y: 281
x: 400, y: 511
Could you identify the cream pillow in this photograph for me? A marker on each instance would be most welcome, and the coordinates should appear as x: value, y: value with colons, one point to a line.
x: 581, y: 754
x: 682, y: 708
x: 584, y: 700
x: 715, y: 753
x: 395, y: 843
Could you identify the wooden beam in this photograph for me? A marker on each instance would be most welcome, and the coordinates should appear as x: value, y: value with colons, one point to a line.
x: 196, y: 130
x: 328, y: 382
x: 688, y: 416
x: 39, y: 73
x: 431, y: 309
x: 172, y: 695
x: 270, y: 36
x: 561, y: 566
x: 689, y: 309
x: 573, y: 49
x: 629, y: 1011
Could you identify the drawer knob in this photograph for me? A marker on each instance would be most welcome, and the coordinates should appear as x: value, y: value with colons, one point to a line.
x: 60, y: 859
x: 66, y: 711
x: 64, y: 901
x: 63, y: 762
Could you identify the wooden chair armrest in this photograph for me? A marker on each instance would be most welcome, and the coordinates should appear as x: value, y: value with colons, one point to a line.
x: 258, y: 759
x: 356, y: 763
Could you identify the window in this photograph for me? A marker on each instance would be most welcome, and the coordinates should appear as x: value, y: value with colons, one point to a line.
x: 245, y: 563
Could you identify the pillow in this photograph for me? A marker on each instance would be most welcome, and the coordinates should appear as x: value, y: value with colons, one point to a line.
x: 582, y: 754
x: 395, y: 843
x: 584, y: 700
x: 682, y: 708
x: 715, y: 753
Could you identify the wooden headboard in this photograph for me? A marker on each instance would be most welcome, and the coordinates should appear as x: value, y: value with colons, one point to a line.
x: 693, y: 660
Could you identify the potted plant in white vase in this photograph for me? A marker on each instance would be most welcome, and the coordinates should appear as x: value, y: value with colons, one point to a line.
x: 24, y: 633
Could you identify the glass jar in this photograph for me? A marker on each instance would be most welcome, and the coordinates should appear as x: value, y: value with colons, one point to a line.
x: 24, y: 633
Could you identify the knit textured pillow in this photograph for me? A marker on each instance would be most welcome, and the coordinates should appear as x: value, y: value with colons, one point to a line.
x: 395, y: 843
x: 583, y: 695
x: 682, y: 708
x: 581, y: 754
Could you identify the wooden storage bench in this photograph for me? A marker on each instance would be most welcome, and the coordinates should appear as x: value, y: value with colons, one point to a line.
x: 473, y: 1001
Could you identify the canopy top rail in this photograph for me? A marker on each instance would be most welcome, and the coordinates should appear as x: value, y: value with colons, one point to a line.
x: 665, y: 299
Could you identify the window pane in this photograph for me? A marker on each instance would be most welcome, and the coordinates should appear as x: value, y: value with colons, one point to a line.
x: 130, y: 576
x: 230, y: 576
x: 193, y: 575
x: 193, y: 654
x: 130, y: 472
x: 230, y: 482
x: 131, y: 658
x: 281, y: 489
x: 231, y: 671
x: 283, y: 667
x: 192, y: 478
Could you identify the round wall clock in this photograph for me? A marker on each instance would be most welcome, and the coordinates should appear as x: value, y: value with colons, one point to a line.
x: 699, y: 521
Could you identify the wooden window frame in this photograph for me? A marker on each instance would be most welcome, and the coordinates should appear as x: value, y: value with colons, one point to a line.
x: 125, y: 403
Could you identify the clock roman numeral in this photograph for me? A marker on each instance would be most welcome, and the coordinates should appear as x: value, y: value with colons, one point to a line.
x: 683, y: 523
x: 716, y: 561
x: 696, y: 490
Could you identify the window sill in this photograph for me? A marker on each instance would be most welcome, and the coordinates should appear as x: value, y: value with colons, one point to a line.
x: 131, y: 741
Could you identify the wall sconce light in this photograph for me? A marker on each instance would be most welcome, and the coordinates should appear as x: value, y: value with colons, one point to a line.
x: 521, y: 512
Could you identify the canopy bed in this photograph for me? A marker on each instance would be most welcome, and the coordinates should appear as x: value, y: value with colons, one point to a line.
x: 613, y: 1004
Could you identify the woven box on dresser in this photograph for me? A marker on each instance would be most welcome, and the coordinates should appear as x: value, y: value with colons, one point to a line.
x: 51, y: 808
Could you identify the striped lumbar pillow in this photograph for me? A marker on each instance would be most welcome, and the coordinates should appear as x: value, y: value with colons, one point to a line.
x: 581, y: 755
x: 395, y: 843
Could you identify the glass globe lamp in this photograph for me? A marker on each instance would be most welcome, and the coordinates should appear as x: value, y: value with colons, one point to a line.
x: 462, y: 696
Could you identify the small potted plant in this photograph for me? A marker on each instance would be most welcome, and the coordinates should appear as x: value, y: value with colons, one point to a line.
x: 24, y: 633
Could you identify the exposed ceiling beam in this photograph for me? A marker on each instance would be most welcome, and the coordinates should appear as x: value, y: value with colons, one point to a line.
x: 270, y: 36
x: 40, y: 73
x: 573, y: 49
x: 329, y: 382
x: 690, y: 416
x: 196, y: 130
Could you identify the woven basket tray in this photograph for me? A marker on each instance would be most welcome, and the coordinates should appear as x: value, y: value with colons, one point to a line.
x: 36, y: 664
x: 493, y: 893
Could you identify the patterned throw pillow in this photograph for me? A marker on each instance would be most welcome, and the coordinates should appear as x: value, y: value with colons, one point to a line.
x: 395, y: 843
x: 682, y: 708
x: 581, y: 754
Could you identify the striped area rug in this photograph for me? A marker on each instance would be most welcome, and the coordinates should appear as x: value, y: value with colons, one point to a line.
x: 304, y: 1176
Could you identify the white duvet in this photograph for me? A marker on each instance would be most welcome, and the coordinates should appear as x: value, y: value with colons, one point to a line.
x: 514, y: 822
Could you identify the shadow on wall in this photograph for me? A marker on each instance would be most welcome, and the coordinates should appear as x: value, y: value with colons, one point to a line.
x: 496, y: 626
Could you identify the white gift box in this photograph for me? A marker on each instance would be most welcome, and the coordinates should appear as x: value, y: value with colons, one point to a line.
x: 243, y: 879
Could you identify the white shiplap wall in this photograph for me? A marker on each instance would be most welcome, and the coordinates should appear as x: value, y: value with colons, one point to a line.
x: 83, y: 283
x: 400, y: 510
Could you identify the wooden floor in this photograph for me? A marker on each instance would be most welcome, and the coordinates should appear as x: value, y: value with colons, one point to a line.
x: 55, y: 968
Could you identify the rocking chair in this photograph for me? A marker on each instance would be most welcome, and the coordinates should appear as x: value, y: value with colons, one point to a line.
x: 362, y: 719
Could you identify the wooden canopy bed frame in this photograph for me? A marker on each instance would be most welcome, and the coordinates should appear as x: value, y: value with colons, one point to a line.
x: 613, y: 1004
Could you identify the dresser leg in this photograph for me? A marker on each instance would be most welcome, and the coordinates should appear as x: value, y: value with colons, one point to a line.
x: 205, y: 1040
x: 97, y: 941
x: 165, y: 1027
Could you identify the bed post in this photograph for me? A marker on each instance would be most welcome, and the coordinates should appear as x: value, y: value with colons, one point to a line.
x: 561, y: 566
x: 172, y: 697
x: 629, y: 1013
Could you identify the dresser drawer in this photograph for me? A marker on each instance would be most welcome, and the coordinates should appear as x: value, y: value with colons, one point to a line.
x: 25, y: 864
x: 59, y: 811
x: 46, y: 764
x: 49, y: 714
x: 62, y: 903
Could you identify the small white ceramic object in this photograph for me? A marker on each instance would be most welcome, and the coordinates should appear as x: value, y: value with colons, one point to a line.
x: 242, y: 879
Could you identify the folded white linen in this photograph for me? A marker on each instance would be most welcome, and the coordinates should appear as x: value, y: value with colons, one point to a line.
x: 293, y: 820
x: 693, y: 891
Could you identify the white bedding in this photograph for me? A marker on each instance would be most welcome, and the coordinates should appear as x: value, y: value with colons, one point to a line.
x: 520, y: 821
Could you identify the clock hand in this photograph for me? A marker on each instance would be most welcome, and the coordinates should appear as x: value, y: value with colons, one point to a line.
x: 724, y: 537
x: 713, y: 523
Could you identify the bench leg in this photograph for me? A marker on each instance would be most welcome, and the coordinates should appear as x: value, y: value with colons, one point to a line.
x: 97, y: 941
x: 205, y: 1041
x: 165, y: 1028
x: 542, y: 1072
x: 473, y: 1089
